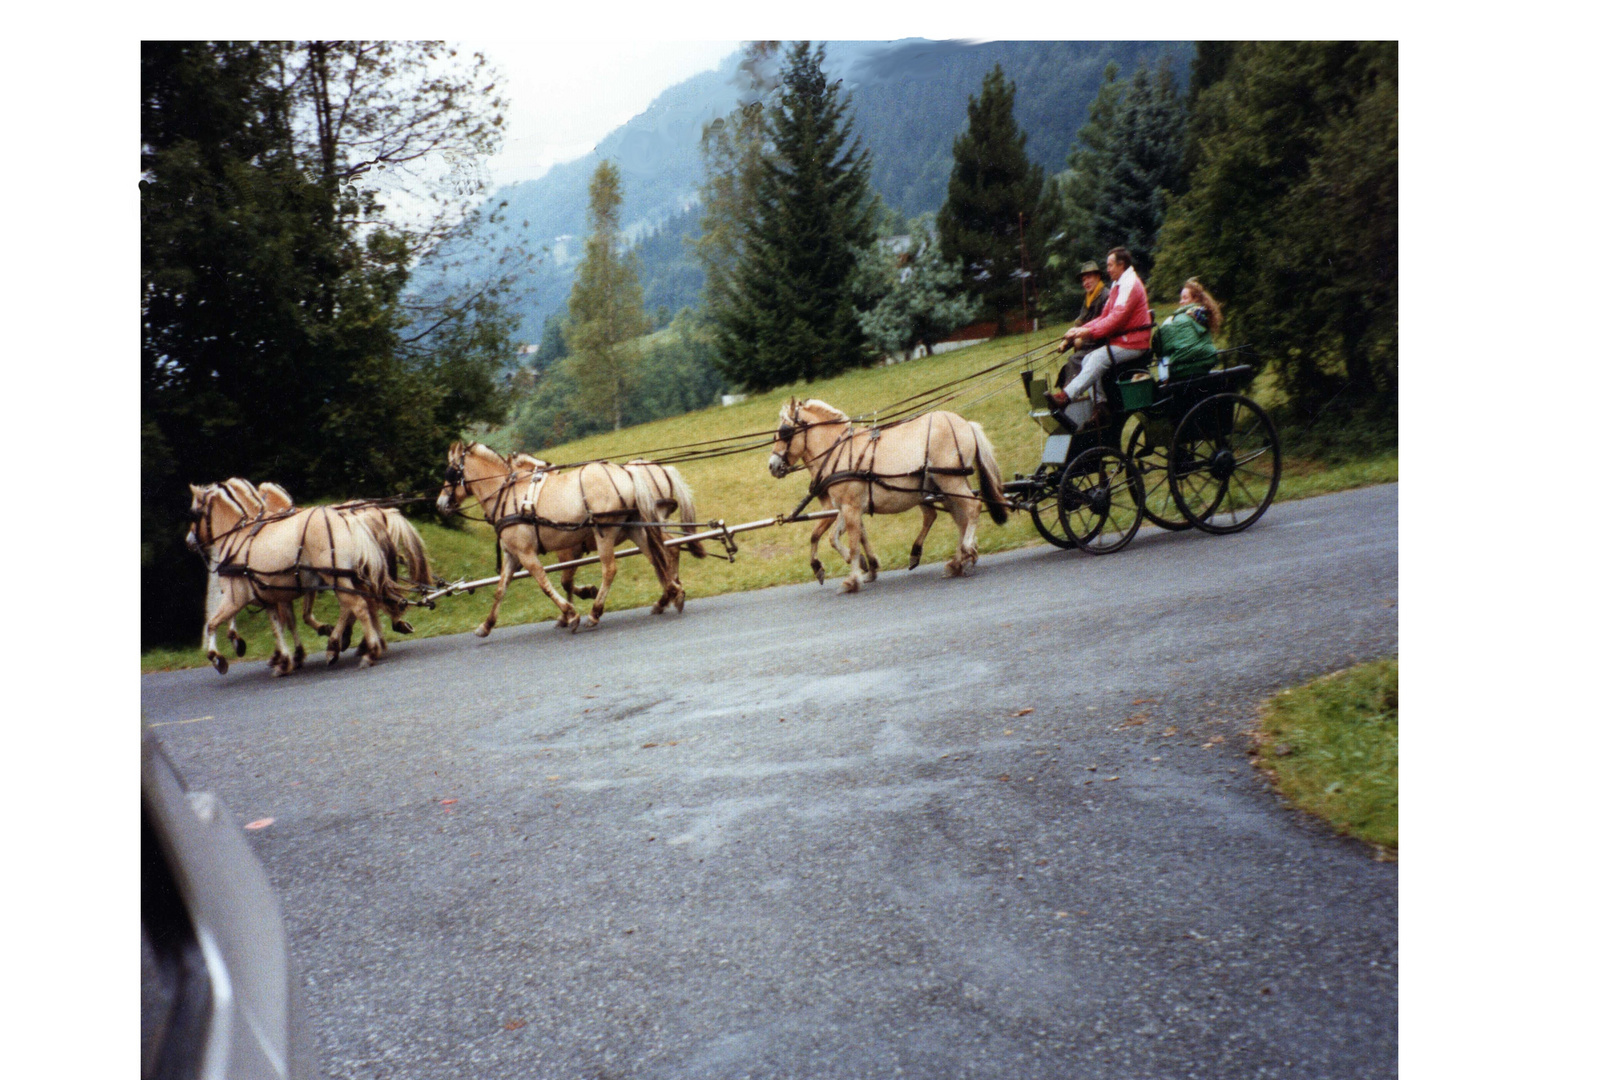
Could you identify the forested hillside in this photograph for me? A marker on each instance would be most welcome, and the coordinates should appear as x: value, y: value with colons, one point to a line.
x: 908, y: 100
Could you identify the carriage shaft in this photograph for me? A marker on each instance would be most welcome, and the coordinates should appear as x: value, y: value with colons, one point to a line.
x: 709, y: 534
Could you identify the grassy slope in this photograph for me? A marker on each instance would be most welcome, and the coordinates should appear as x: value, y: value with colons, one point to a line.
x: 1331, y: 747
x: 738, y: 489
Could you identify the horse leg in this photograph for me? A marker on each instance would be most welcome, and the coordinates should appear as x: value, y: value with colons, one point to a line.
x: 535, y: 569
x: 664, y: 561
x: 870, y: 563
x: 927, y: 513
x: 818, y: 532
x: 605, y: 542
x: 507, y: 566
x: 341, y: 633
x: 280, y: 662
x: 966, y: 511
x: 581, y: 592
x: 358, y: 609
x: 289, y: 618
x: 228, y: 606
x: 852, y: 515
x: 320, y: 629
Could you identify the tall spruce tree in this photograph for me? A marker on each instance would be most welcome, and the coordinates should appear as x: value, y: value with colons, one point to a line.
x: 791, y: 313
x: 990, y: 218
x: 1145, y: 166
x: 1291, y: 215
x: 606, y: 307
x: 1073, y: 199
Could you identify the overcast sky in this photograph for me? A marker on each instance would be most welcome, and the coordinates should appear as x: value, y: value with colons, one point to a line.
x: 565, y: 96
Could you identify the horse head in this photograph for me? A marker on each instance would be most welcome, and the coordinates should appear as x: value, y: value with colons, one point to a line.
x: 214, y: 512
x: 789, y: 442
x: 454, y: 489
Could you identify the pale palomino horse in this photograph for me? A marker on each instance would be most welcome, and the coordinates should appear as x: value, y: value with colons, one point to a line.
x: 886, y: 470
x: 591, y: 508
x: 654, y: 482
x: 273, y: 559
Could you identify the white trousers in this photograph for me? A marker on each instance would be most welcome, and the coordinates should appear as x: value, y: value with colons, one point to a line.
x: 1095, y: 364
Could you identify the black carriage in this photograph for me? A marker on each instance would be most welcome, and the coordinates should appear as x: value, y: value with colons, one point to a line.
x: 1187, y: 452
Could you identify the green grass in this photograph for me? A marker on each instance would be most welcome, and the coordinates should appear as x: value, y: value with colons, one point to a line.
x: 738, y: 488
x: 1331, y: 749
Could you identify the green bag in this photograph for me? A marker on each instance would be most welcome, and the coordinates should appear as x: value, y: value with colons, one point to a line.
x: 1187, y: 343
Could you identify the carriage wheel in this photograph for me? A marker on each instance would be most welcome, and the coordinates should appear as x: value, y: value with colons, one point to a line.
x: 1150, y: 456
x: 1224, y: 464
x: 1043, y: 513
x: 1101, y: 500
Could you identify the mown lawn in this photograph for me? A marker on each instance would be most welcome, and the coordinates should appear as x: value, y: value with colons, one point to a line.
x: 1332, y: 748
x: 738, y: 488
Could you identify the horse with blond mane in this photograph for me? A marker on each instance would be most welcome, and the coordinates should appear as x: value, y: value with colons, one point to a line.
x: 921, y: 461
x: 273, y: 558
x: 534, y: 510
x: 667, y: 491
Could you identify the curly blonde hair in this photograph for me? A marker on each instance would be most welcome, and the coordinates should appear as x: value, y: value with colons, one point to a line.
x: 1202, y: 296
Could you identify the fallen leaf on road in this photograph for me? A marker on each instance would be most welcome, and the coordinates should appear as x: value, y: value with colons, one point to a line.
x: 1112, y: 778
x: 1004, y: 778
x: 448, y: 802
x: 1135, y: 720
x: 1145, y: 701
x: 1008, y: 731
x: 261, y: 823
x: 649, y: 745
x: 551, y: 778
x: 1025, y: 712
x: 515, y: 1025
x: 1061, y: 914
x: 1214, y: 739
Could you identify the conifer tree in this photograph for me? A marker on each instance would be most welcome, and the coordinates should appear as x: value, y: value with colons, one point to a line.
x: 1145, y: 166
x: 990, y: 216
x: 1073, y: 198
x: 606, y: 307
x: 790, y: 311
x: 1291, y: 216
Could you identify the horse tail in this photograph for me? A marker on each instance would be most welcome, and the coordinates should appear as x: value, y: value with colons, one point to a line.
x: 374, y: 558
x: 686, y: 509
x: 986, y: 467
x: 408, y: 542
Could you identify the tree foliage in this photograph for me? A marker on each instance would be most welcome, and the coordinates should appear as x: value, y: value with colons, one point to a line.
x: 1072, y: 199
x: 607, y: 307
x: 990, y: 218
x: 918, y: 297
x: 786, y: 310
x: 279, y: 338
x: 1291, y: 214
x: 1144, y: 166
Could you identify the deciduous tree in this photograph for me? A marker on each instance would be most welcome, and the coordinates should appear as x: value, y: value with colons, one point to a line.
x: 606, y: 307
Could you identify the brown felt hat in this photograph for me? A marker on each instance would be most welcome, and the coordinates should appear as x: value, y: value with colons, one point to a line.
x: 1089, y: 267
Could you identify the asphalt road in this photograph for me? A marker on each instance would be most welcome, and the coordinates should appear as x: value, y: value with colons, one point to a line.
x: 793, y: 833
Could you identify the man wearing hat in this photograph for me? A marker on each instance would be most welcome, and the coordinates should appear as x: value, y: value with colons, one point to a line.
x: 1097, y: 292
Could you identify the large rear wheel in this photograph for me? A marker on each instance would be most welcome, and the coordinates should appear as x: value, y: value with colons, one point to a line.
x: 1101, y: 500
x: 1224, y: 464
x: 1150, y: 451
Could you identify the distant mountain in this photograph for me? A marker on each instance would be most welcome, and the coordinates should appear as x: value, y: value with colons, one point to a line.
x: 909, y: 101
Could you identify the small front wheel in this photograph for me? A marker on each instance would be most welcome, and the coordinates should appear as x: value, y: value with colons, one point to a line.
x: 1041, y: 506
x: 1101, y: 500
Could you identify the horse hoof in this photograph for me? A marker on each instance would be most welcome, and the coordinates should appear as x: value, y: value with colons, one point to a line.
x: 219, y: 662
x: 347, y: 637
x: 331, y: 656
x: 402, y: 627
x: 658, y: 607
x: 679, y: 603
x: 850, y: 585
x: 298, y: 657
x: 365, y: 661
x: 818, y: 571
x: 587, y: 592
x: 324, y: 630
x: 484, y: 630
x: 240, y: 646
x: 953, y: 570
x: 874, y: 566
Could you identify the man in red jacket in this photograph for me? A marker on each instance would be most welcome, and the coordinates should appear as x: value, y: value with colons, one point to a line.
x: 1122, y: 330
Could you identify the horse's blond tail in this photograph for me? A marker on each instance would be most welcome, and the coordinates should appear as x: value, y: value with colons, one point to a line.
x: 986, y: 467
x: 407, y: 540
x: 370, y: 559
x: 648, y: 497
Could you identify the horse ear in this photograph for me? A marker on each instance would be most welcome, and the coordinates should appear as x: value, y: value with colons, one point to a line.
x: 196, y: 492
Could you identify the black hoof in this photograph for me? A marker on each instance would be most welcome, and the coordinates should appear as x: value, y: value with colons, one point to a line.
x: 818, y: 571
x: 324, y: 629
x: 240, y: 646
x: 298, y: 657
x: 347, y: 637
x: 587, y: 592
x: 219, y: 662
x: 402, y: 627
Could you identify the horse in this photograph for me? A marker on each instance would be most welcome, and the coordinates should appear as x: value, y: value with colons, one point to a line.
x: 534, y: 510
x: 272, y: 559
x: 653, y: 482
x: 886, y: 470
